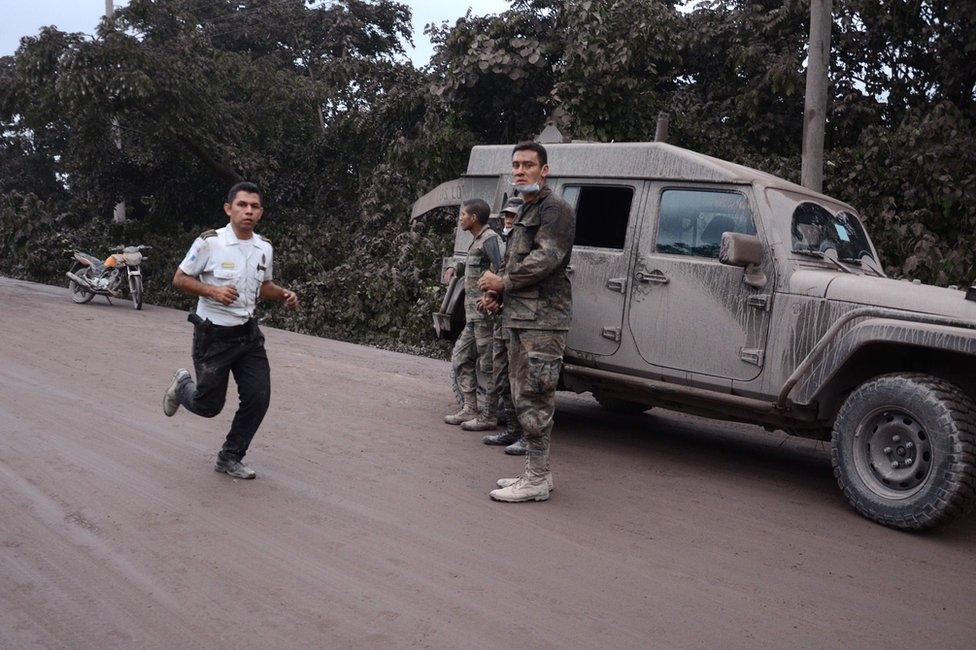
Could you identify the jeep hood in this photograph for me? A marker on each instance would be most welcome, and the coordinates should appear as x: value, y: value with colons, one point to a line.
x: 899, y: 294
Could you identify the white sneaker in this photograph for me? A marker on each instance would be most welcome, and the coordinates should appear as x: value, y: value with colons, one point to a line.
x: 235, y: 468
x: 171, y: 401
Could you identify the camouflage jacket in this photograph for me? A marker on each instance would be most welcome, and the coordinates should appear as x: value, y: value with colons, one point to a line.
x: 484, y: 254
x: 537, y: 291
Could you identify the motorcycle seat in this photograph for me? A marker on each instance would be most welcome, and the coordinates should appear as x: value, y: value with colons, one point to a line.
x: 97, y: 265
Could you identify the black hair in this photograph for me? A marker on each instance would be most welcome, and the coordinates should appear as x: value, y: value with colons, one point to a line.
x: 243, y: 186
x: 478, y: 208
x: 533, y: 146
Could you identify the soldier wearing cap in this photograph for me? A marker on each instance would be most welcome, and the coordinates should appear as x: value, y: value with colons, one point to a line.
x: 229, y: 268
x: 537, y: 303
x: 501, y: 393
x: 471, y: 357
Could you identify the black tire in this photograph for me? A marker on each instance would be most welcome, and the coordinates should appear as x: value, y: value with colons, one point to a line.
x: 135, y: 291
x: 79, y: 294
x: 623, y: 406
x: 903, y: 449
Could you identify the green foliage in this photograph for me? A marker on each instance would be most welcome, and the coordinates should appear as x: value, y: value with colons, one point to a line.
x: 620, y: 62
x: 316, y: 102
x: 919, y: 201
x: 745, y: 65
x: 495, y: 72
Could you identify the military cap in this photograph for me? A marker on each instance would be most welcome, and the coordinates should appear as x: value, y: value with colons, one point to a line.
x: 513, y: 205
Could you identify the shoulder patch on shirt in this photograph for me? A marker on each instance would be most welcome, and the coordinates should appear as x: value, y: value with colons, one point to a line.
x: 208, y: 234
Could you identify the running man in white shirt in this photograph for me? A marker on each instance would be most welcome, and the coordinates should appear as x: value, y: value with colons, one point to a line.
x: 229, y: 268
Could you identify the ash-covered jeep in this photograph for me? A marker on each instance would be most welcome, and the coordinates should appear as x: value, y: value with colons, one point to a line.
x: 711, y: 288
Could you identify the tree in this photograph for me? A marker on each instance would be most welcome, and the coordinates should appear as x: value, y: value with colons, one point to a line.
x: 315, y: 101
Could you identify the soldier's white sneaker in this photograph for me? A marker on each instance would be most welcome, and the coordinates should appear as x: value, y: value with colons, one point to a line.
x: 171, y: 401
x: 464, y: 415
x: 505, y: 482
x: 522, y: 490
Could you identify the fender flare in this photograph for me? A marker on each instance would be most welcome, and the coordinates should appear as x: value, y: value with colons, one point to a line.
x: 907, y: 333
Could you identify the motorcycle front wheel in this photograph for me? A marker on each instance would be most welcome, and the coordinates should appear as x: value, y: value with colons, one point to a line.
x: 135, y: 290
x: 79, y: 294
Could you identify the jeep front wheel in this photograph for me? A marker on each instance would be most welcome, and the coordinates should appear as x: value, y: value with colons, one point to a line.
x: 904, y: 450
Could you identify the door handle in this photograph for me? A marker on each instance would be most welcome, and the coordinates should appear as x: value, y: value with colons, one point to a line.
x: 655, y: 277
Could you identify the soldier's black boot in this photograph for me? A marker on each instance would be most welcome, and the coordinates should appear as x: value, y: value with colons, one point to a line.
x: 506, y: 438
x: 513, y: 432
x: 517, y: 448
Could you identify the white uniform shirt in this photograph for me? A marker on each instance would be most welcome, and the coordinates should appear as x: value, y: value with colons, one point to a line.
x: 224, y: 259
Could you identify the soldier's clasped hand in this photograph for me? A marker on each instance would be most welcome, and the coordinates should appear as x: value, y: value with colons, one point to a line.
x: 489, y: 302
x: 490, y: 282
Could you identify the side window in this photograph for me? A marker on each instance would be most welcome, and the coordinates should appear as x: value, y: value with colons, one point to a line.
x: 602, y: 214
x: 692, y: 221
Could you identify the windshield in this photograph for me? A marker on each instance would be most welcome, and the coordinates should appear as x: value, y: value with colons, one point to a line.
x: 817, y: 230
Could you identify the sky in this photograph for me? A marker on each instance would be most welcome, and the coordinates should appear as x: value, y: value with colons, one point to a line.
x: 26, y: 17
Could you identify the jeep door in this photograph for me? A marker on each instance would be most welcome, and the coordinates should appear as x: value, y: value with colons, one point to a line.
x: 689, y: 312
x: 606, y: 212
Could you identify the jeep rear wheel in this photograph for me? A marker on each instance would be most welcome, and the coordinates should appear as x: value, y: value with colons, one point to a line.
x: 904, y: 450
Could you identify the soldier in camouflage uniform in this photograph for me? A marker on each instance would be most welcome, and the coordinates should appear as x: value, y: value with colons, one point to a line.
x: 537, y: 310
x: 471, y: 356
x: 501, y: 395
x: 498, y: 408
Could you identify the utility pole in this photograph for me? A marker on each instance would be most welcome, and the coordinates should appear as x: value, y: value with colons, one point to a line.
x: 118, y: 215
x: 661, y: 132
x: 815, y: 103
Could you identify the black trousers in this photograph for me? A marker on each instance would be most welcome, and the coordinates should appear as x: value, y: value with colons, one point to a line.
x: 217, y: 352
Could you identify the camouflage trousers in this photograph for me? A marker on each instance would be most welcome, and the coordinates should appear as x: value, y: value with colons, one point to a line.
x: 500, y: 395
x: 535, y: 359
x: 471, y: 360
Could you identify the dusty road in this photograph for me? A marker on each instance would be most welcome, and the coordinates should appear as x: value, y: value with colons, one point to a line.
x: 370, y: 526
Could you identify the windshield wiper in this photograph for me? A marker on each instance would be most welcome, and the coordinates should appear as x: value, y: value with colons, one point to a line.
x: 822, y: 256
x: 861, y: 264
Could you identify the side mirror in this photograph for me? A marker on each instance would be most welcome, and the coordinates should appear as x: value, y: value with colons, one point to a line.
x: 740, y: 250
x: 745, y: 251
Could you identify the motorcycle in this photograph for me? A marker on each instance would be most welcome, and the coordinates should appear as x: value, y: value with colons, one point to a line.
x: 90, y: 276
